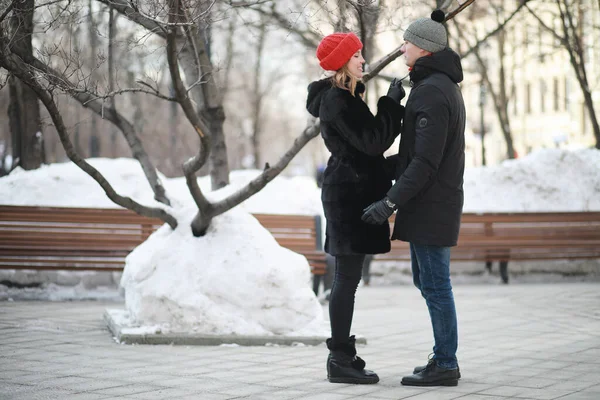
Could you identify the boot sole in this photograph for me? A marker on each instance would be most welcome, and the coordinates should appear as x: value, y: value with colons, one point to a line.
x: 449, y: 382
x: 354, y: 381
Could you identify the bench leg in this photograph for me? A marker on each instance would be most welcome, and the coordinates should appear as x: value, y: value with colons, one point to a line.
x: 488, y: 265
x: 316, y: 283
x: 504, y: 271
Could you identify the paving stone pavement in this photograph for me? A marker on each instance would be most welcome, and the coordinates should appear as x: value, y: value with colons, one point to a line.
x: 524, y: 341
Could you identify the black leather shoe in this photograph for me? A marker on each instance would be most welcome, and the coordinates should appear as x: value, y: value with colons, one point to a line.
x: 422, y: 367
x: 343, y: 366
x: 432, y: 375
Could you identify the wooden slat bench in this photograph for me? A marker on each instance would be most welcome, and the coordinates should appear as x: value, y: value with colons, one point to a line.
x: 59, y: 238
x: 508, y: 237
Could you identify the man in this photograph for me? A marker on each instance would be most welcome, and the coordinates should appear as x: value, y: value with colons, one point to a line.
x: 428, y: 192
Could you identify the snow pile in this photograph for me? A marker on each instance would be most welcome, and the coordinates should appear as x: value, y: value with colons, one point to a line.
x: 546, y: 180
x: 234, y: 280
x: 66, y: 185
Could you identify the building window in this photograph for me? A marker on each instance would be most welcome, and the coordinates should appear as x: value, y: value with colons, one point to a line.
x: 556, y: 105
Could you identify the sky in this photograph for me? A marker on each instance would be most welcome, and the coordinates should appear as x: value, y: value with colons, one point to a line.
x: 237, y: 279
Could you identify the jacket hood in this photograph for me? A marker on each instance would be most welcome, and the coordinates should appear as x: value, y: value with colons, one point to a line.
x: 316, y: 92
x: 446, y: 61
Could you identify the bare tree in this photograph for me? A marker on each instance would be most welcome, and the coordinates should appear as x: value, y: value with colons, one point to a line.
x: 180, y: 31
x: 92, y: 25
x: 28, y: 75
x: 257, y: 94
x: 498, y: 87
x: 181, y: 27
x: 571, y: 36
x: 24, y: 110
x: 198, y: 69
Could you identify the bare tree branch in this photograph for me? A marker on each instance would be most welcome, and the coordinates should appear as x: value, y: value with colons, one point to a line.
x: 308, y: 38
x: 111, y: 114
x: 196, y: 64
x: 381, y: 64
x: 459, y: 9
x: 17, y: 67
x: 7, y: 11
x: 270, y: 172
x: 124, y: 7
x: 243, y: 4
x: 500, y: 27
x: 111, y: 95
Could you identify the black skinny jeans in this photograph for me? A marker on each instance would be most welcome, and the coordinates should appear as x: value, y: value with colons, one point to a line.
x: 348, y: 271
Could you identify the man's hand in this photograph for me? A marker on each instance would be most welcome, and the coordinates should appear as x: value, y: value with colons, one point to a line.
x: 378, y: 212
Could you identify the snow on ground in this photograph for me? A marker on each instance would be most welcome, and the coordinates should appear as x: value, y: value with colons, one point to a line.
x: 65, y: 185
x: 546, y: 180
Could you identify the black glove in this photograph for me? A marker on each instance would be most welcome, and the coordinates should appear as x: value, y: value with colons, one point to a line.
x: 378, y: 212
x: 396, y: 91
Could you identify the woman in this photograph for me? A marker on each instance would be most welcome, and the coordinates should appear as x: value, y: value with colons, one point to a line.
x: 354, y: 178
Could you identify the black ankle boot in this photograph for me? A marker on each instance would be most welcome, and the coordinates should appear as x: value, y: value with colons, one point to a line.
x: 432, y: 375
x: 344, y: 366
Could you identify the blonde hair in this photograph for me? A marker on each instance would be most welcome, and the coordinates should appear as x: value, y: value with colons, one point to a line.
x: 343, y: 79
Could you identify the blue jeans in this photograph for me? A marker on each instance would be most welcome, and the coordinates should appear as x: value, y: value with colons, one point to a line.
x: 431, y: 275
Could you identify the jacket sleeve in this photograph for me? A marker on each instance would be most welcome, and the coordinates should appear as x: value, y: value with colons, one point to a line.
x: 368, y: 133
x: 431, y: 130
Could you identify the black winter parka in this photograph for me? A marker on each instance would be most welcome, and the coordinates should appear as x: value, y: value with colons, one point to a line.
x: 355, y: 175
x: 431, y: 160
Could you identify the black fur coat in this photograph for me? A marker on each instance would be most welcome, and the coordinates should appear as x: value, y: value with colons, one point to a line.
x: 355, y: 175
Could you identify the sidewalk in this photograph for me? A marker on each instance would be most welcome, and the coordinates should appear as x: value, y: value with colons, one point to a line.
x: 526, y: 341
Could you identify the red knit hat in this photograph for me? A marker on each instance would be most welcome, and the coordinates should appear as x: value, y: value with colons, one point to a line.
x: 336, y: 49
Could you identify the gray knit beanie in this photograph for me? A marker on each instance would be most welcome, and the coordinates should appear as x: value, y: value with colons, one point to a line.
x: 428, y: 33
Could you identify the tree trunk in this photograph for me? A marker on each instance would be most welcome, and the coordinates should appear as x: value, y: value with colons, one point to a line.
x: 206, y: 95
x: 24, y: 110
x: 589, y: 103
x: 257, y: 94
x: 501, y: 101
x: 209, y: 105
x: 214, y: 113
x: 574, y: 42
x: 219, y: 164
x: 340, y: 26
x: 94, y: 140
x: 369, y: 19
